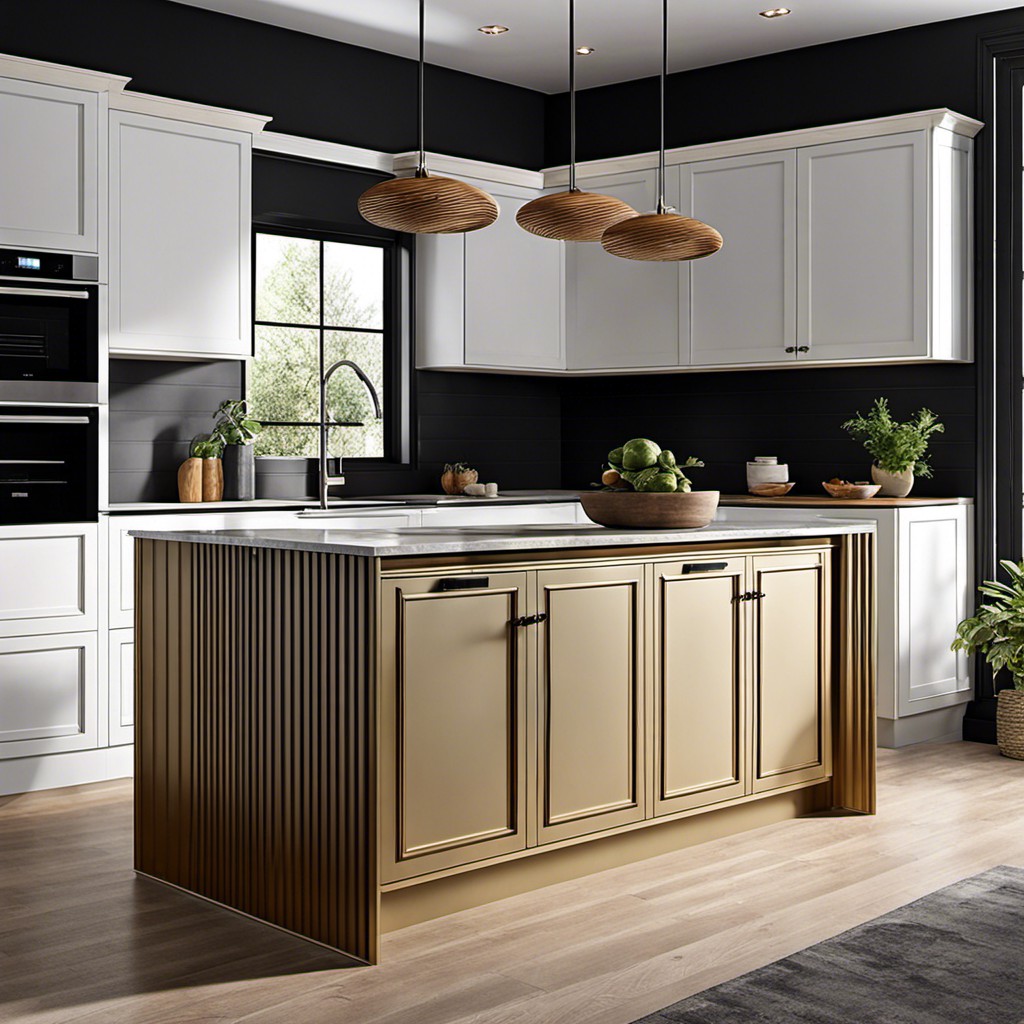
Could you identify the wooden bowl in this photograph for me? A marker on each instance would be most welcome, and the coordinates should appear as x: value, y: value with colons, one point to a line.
x: 771, y: 490
x: 852, y: 492
x: 635, y: 510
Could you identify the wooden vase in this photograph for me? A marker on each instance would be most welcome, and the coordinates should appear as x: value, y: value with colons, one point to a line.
x: 190, y: 480
x: 213, y: 479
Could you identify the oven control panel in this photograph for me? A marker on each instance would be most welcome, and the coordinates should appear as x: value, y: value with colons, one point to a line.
x: 47, y: 265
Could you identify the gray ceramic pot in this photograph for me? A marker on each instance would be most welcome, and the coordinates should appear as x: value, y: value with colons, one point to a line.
x: 239, y: 472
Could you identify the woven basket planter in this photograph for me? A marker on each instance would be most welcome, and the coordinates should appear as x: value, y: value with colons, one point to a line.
x: 1010, y: 723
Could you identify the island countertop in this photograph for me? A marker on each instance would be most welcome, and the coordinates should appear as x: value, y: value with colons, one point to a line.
x: 414, y: 541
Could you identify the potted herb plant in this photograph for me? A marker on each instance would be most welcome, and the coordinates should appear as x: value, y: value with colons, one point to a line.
x: 201, y: 475
x: 898, y: 449
x: 997, y: 630
x: 236, y: 430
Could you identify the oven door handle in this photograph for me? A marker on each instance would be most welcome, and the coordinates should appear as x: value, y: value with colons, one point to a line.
x: 46, y: 293
x: 45, y: 419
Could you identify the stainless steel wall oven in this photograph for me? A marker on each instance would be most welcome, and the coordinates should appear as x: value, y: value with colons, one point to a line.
x: 49, y: 327
x: 48, y: 464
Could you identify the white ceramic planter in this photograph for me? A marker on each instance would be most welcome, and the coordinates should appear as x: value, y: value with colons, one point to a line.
x: 894, y: 485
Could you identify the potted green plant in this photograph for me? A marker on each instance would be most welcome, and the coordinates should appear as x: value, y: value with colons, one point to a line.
x: 997, y: 630
x: 236, y: 430
x: 898, y: 449
x: 201, y: 475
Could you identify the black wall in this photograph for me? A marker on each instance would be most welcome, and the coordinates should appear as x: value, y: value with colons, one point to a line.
x: 313, y: 87
x: 728, y: 418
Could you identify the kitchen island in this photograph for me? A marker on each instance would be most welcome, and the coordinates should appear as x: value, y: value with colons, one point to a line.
x: 340, y: 733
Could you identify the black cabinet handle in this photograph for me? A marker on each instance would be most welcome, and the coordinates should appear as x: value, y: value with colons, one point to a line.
x: 704, y: 567
x: 529, y: 620
x: 791, y: 348
x: 465, y: 583
x: 803, y: 348
x: 751, y: 595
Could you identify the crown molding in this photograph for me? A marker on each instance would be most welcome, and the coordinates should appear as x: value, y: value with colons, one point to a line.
x: 325, y: 152
x: 193, y: 113
x: 939, y: 118
x: 406, y: 163
x: 27, y: 70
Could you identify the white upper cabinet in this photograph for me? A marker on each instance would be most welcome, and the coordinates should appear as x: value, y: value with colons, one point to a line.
x: 743, y: 299
x: 49, y: 189
x: 491, y: 299
x: 863, y: 242
x: 623, y: 313
x: 180, y: 223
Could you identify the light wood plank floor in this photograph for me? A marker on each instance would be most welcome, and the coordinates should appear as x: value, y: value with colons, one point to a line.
x: 82, y: 940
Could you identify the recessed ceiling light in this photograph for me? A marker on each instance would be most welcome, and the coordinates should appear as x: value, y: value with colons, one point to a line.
x: 775, y: 12
x: 585, y: 51
x: 493, y: 30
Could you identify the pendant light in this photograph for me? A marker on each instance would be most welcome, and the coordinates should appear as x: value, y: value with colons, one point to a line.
x: 424, y: 205
x: 572, y: 216
x: 663, y: 235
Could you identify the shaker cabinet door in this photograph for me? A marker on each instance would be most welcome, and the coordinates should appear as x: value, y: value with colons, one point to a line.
x: 49, y: 189
x: 701, y: 696
x: 623, y: 313
x: 863, y: 248
x: 590, y: 701
x: 180, y: 222
x: 792, y: 739
x: 453, y: 708
x: 743, y: 298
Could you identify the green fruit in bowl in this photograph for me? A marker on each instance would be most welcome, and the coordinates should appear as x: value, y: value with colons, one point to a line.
x: 666, y: 460
x: 640, y: 453
x: 615, y: 456
x: 661, y: 482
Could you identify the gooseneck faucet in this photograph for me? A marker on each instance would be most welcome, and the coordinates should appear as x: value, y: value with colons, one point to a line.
x: 326, y: 480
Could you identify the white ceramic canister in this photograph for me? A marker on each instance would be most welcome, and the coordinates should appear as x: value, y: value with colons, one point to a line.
x: 766, y: 469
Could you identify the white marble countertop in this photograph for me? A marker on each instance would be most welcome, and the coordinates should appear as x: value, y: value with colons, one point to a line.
x: 466, y: 540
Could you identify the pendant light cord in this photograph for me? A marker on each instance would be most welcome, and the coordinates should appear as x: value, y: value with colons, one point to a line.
x: 664, y: 72
x: 421, y: 171
x: 572, y: 95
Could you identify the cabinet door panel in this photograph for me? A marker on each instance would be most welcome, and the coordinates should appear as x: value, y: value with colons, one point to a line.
x: 453, y: 724
x: 179, y: 238
x: 49, y: 196
x: 513, y: 293
x: 48, y: 694
x: 701, y: 696
x: 934, y: 594
x: 590, y: 700
x: 863, y: 251
x: 792, y: 736
x: 121, y: 686
x: 56, y: 572
x: 621, y: 313
x: 743, y: 299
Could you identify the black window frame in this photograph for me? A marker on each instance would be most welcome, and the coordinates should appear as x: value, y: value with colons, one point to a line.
x: 396, y: 398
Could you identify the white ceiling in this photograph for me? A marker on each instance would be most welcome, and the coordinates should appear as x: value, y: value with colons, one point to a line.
x: 626, y: 33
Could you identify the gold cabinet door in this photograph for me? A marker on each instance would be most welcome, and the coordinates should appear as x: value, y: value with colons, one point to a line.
x: 792, y: 731
x: 453, y: 718
x: 590, y: 701
x: 701, y: 697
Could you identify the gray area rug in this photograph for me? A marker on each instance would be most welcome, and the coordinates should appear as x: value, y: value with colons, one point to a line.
x: 955, y: 956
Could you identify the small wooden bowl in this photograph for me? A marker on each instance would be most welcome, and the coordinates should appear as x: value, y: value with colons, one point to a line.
x: 852, y: 492
x: 772, y: 490
x: 637, y: 510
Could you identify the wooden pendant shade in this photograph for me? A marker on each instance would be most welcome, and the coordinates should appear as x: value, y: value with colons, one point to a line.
x: 573, y: 216
x: 426, y: 205
x: 663, y: 237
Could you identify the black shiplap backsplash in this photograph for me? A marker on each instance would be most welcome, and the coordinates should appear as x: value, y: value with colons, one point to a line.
x: 728, y: 418
x: 508, y: 427
x: 156, y: 408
